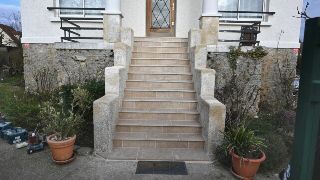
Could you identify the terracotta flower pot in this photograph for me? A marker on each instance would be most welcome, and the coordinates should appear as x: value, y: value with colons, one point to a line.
x: 61, y: 150
x: 246, y: 168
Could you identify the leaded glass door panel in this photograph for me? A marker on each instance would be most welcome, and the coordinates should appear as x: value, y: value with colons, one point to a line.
x: 161, y: 17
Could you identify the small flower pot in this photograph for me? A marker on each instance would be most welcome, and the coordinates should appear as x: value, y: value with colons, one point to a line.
x: 61, y: 151
x: 244, y: 167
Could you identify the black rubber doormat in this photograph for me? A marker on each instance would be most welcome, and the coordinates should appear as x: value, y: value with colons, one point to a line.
x: 161, y: 167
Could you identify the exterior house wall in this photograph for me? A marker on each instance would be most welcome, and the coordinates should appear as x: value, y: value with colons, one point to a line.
x: 42, y: 26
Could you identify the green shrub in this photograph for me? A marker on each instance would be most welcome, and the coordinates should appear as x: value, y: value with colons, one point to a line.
x: 62, y: 120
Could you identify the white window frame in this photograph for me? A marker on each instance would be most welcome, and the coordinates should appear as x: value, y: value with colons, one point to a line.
x: 238, y: 18
x: 75, y: 15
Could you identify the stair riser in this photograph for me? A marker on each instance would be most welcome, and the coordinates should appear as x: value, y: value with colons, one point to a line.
x: 159, y: 129
x: 161, y: 70
x: 161, y: 44
x: 159, y: 95
x: 159, y: 55
x: 160, y: 62
x: 159, y: 144
x: 160, y: 77
x: 162, y: 86
x: 159, y: 105
x: 160, y: 39
x: 161, y: 50
x: 158, y: 116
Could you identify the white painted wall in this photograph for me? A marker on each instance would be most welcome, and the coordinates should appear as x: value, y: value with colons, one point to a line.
x: 38, y: 25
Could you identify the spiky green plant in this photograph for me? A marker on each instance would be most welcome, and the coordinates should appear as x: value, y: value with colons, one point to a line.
x: 243, y: 142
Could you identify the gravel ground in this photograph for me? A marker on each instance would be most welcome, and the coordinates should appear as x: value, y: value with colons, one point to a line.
x: 16, y: 164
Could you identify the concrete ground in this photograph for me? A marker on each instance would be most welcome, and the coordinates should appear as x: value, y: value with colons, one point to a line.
x: 16, y: 164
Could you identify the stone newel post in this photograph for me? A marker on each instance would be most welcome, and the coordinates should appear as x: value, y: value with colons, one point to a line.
x: 112, y: 21
x: 209, y: 22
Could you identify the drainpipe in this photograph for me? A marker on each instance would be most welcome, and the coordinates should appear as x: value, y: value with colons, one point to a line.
x: 112, y: 18
x: 209, y: 22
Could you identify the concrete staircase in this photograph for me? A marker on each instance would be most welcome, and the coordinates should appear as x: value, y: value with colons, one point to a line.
x: 159, y: 118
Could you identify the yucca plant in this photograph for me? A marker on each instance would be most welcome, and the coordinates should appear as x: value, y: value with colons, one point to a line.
x: 243, y: 142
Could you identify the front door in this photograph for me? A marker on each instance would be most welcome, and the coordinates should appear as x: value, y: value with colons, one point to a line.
x: 161, y: 18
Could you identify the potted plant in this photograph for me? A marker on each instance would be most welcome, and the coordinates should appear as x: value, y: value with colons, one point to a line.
x: 61, y: 122
x: 245, y: 149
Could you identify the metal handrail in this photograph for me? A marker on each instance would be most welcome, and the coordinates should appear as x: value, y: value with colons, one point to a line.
x: 73, y: 8
x: 249, y: 12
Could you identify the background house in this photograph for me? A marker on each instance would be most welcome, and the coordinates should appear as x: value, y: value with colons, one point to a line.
x: 10, y: 51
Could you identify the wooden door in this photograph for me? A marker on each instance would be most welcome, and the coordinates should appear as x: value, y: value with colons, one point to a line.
x: 161, y: 17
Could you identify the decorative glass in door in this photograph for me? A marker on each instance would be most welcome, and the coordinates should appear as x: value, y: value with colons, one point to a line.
x: 160, y: 11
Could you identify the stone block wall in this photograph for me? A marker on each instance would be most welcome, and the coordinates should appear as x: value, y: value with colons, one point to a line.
x: 48, y: 66
x: 264, y: 74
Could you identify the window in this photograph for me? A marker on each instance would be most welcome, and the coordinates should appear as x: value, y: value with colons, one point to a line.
x: 242, y: 5
x: 81, y: 4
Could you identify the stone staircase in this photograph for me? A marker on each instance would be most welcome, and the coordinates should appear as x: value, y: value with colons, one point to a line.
x: 159, y: 118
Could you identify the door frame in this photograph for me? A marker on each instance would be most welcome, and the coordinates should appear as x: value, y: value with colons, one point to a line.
x: 170, y: 31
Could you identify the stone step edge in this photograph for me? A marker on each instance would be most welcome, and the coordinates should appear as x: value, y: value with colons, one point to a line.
x: 161, y: 59
x: 144, y: 123
x: 162, y: 41
x: 155, y: 81
x: 160, y: 137
x: 148, y: 52
x: 158, y: 65
x: 151, y: 73
x: 134, y: 46
x: 160, y: 90
x: 166, y: 111
x: 159, y: 100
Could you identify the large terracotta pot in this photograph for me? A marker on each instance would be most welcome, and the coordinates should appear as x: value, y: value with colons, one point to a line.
x: 61, y: 150
x: 246, y: 168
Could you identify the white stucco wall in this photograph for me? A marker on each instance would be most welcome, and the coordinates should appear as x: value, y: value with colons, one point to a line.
x: 42, y: 26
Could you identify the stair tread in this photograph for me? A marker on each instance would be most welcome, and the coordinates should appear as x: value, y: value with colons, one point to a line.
x: 164, y: 111
x: 155, y: 73
x: 160, y: 81
x: 160, y: 100
x: 151, y: 154
x: 160, y: 52
x: 160, y: 90
x: 144, y: 136
x: 180, y: 59
x: 158, y: 65
x: 159, y: 123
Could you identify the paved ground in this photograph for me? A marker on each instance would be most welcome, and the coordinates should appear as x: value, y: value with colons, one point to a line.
x: 16, y: 164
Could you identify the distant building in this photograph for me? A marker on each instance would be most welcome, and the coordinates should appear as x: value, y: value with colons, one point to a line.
x: 9, y: 37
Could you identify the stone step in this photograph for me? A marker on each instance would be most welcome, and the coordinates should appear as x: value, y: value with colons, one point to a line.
x: 165, y: 115
x: 161, y: 69
x: 158, y: 140
x: 160, y: 77
x: 152, y: 154
x: 181, y: 85
x: 159, y: 94
x: 156, y: 104
x: 161, y: 39
x: 158, y: 126
x: 177, y: 55
x: 160, y: 49
x: 161, y: 44
x: 157, y: 61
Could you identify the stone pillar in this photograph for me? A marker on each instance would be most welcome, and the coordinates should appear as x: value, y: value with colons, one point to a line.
x: 209, y: 22
x: 112, y: 21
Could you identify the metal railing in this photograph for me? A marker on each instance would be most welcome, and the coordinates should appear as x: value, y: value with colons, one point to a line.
x: 72, y: 25
x: 249, y: 30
